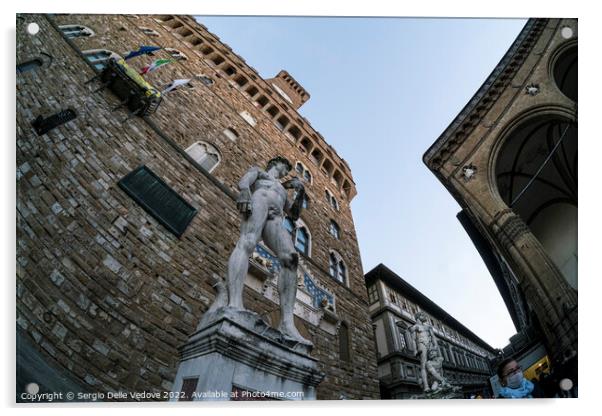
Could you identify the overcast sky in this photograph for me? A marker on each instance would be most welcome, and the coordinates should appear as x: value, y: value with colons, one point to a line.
x: 382, y: 91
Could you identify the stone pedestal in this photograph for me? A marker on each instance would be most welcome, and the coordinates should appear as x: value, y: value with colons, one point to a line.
x: 448, y: 392
x: 236, y: 355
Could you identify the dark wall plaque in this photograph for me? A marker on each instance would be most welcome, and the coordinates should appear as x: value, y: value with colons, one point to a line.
x: 158, y: 199
x: 43, y: 125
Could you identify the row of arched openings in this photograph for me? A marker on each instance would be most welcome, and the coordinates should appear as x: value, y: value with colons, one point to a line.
x: 536, y: 173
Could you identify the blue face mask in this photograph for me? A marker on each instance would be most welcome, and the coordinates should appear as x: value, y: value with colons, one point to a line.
x: 514, y: 381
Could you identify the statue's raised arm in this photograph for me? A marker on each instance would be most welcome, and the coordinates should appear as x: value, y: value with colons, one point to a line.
x: 294, y: 209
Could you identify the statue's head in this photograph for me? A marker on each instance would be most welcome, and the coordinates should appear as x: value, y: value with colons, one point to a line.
x: 432, y: 354
x: 420, y: 316
x: 282, y: 164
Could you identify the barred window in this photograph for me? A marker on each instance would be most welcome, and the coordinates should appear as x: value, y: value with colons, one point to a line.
x: 337, y: 268
x: 301, y: 237
x: 302, y: 241
x: 372, y: 294
x: 76, y: 31
x: 332, y: 201
x: 99, y: 57
x: 402, y: 338
x: 303, y: 172
x: 334, y: 229
x: 304, y: 202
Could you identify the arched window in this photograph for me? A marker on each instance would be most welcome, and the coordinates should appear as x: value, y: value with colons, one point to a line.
x: 565, y: 73
x: 302, y: 241
x: 337, y: 268
x: 333, y: 266
x: 76, y: 31
x: 176, y: 54
x: 334, y: 229
x: 205, y: 155
x: 301, y: 236
x: 303, y: 172
x: 332, y: 201
x: 148, y: 31
x: 537, y: 172
x: 99, y: 57
x: 344, y: 342
x: 305, y: 203
x: 307, y: 176
x: 288, y: 224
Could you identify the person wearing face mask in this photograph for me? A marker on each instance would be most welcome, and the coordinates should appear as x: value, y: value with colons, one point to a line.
x: 514, y: 384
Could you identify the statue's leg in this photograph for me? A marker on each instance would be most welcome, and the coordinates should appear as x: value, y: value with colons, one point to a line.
x: 435, y: 373
x: 438, y: 376
x: 423, y: 374
x: 279, y: 240
x: 238, y: 264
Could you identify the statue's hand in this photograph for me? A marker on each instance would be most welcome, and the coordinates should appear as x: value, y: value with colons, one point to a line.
x: 297, y: 184
x: 243, y: 202
x: 294, y: 183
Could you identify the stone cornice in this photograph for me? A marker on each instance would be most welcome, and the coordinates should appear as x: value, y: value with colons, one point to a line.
x: 478, y: 106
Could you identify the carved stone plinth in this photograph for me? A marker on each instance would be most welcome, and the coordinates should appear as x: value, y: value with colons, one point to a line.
x: 236, y: 355
x: 449, y: 392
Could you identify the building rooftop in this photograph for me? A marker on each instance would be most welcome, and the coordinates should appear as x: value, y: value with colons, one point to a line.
x: 382, y: 272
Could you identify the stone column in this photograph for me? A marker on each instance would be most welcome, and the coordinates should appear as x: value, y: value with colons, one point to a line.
x: 553, y: 300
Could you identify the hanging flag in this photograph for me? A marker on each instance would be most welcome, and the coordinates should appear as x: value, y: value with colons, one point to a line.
x: 156, y: 64
x: 144, y: 50
x: 175, y: 84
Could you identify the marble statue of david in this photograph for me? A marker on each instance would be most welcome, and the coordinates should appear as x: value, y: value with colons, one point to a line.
x: 263, y: 202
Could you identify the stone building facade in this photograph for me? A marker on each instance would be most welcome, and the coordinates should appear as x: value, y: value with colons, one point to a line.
x: 393, y: 307
x: 106, y: 291
x: 510, y: 160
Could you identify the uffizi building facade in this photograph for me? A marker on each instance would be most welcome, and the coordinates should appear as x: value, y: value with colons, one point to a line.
x: 394, y: 304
